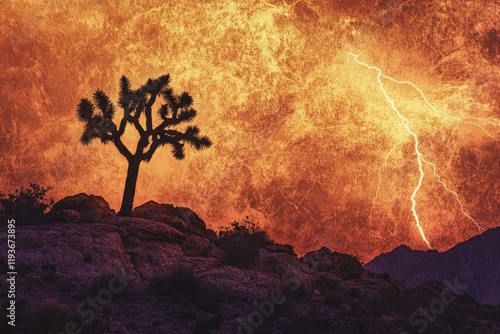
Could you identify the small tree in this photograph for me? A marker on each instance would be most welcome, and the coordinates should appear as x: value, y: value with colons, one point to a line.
x: 26, y: 205
x: 137, y: 105
x: 241, y: 242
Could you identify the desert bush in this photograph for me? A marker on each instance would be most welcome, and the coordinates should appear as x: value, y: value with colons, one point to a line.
x: 385, y: 276
x: 184, y: 286
x: 358, y: 258
x: 334, y: 298
x: 208, y: 325
x: 87, y: 257
x: 323, y: 283
x: 358, y: 310
x: 49, y: 273
x: 295, y: 292
x: 307, y: 324
x: 465, y: 299
x: 26, y: 205
x: 244, y: 227
x: 50, y: 316
x: 102, y: 282
x: 349, y: 266
x: 388, y: 299
x: 241, y: 242
x: 354, y: 292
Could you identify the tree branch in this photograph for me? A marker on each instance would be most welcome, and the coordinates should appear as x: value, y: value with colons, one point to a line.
x: 138, y: 126
x: 123, y: 122
x: 121, y: 147
x: 149, y: 106
x: 149, y: 154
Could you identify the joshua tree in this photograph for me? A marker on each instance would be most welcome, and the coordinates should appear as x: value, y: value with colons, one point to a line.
x: 137, y: 105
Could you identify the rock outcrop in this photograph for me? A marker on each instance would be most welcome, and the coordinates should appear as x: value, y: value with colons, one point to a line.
x: 80, y: 208
x: 181, y: 218
x: 62, y: 264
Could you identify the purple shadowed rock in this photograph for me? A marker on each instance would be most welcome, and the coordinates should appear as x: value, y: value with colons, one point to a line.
x: 81, y: 208
x: 181, y: 218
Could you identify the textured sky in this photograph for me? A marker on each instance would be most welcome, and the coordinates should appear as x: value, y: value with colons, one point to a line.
x: 308, y: 139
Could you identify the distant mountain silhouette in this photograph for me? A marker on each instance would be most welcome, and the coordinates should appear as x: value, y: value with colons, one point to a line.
x: 474, y: 263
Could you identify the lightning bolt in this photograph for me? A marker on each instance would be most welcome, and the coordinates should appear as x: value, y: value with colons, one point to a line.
x: 465, y: 120
x: 458, y: 119
x: 454, y: 193
x: 405, y: 122
x: 380, y: 171
x: 420, y: 158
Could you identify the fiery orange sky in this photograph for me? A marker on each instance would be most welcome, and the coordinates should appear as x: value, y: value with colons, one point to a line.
x: 309, y: 139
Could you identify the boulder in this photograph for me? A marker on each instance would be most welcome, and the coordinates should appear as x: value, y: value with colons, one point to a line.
x: 211, y: 235
x: 279, y: 260
x: 81, y: 208
x: 324, y: 260
x: 146, y: 230
x: 68, y: 216
x: 181, y: 218
x: 195, y: 245
x: 281, y: 249
x: 69, y: 254
x: 173, y: 221
x: 236, y: 282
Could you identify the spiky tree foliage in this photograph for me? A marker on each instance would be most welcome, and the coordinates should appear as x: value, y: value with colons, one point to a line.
x: 97, y: 114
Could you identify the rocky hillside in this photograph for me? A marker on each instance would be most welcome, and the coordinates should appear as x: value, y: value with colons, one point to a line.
x: 475, y: 263
x: 162, y: 271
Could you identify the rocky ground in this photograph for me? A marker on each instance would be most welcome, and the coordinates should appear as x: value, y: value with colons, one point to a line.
x: 85, y: 270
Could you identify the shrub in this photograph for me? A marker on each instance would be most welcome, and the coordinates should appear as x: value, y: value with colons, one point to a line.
x: 241, y: 242
x: 354, y: 292
x: 102, y: 283
x: 349, y: 266
x: 208, y: 325
x: 306, y: 324
x: 26, y: 205
x: 324, y: 283
x: 184, y: 286
x: 87, y: 257
x: 296, y: 293
x: 50, y: 316
x: 385, y: 276
x: 245, y: 227
x: 334, y: 298
x: 465, y: 299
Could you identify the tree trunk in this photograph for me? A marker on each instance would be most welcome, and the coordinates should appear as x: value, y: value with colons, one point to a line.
x: 129, y: 192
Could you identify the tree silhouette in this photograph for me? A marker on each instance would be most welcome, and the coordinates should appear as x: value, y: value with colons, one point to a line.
x: 137, y: 105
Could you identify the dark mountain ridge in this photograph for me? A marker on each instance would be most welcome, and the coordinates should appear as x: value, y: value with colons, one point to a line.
x: 474, y: 263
